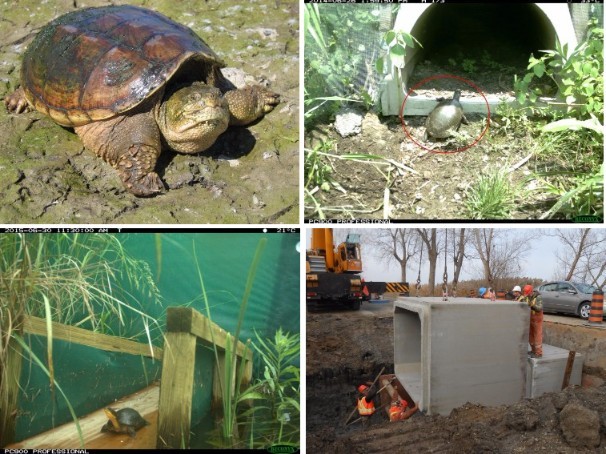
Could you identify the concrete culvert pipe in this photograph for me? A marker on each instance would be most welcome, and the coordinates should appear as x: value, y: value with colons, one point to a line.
x: 455, y: 35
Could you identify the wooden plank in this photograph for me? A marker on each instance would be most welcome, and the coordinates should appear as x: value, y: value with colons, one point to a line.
x: 35, y: 325
x: 8, y: 410
x: 174, y: 420
x: 66, y: 436
x: 568, y: 370
x: 188, y: 320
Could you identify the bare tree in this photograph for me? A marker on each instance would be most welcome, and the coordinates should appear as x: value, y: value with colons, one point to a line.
x: 432, y: 246
x: 399, y: 245
x: 582, y: 247
x: 500, y: 251
x: 458, y: 255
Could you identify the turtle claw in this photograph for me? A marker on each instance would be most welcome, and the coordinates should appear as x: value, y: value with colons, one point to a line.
x: 16, y: 102
x: 148, y: 186
x: 250, y: 103
x: 136, y: 171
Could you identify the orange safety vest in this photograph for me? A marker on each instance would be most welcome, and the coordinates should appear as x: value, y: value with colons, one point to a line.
x: 365, y: 408
x: 397, y: 409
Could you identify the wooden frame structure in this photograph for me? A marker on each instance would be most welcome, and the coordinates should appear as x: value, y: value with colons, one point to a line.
x: 184, y: 328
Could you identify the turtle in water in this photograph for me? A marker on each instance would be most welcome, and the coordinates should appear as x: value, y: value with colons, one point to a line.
x: 123, y: 421
x: 445, y: 117
x: 130, y: 81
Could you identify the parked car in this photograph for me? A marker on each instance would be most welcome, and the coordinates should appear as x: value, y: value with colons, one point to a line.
x: 567, y: 297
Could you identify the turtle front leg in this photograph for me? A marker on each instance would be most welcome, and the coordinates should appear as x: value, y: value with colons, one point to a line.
x: 250, y: 103
x: 16, y: 101
x: 131, y: 144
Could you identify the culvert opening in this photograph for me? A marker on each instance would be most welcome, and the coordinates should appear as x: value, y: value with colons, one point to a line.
x: 484, y: 43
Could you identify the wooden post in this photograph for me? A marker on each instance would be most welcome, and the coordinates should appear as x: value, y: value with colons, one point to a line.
x: 176, y: 390
x: 568, y: 370
x: 184, y: 327
x: 9, y: 408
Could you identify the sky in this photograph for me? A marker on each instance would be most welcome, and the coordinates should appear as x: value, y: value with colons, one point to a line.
x: 539, y: 263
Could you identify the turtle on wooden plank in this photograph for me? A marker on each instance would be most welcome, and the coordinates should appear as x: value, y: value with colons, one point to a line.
x: 130, y: 81
x: 124, y: 421
x: 445, y: 118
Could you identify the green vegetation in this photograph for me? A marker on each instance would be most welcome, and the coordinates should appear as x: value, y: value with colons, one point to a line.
x: 274, y: 417
x: 492, y: 197
x: 83, y: 280
x: 335, y: 64
x: 567, y: 136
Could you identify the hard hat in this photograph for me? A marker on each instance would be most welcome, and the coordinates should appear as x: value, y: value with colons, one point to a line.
x: 528, y: 289
x: 362, y: 388
x: 517, y: 289
x: 482, y: 291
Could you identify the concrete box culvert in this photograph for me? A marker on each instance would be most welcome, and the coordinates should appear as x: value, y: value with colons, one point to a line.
x: 509, y: 33
x: 448, y: 353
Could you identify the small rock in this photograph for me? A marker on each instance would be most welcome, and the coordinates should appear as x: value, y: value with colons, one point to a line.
x: 427, y: 175
x: 580, y: 426
x: 521, y: 417
x: 348, y: 122
x: 456, y: 197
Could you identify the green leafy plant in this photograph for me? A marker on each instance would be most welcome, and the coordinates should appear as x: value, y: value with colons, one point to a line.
x: 274, y: 416
x: 469, y: 65
x: 318, y: 171
x: 395, y: 43
x: 579, y: 75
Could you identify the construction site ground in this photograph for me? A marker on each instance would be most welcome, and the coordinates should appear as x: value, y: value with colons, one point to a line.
x: 346, y: 348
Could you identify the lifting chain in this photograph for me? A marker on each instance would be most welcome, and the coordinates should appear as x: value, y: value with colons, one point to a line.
x: 418, y: 286
x: 445, y: 284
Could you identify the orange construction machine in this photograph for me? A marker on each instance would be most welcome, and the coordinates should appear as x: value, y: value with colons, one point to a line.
x: 333, y: 274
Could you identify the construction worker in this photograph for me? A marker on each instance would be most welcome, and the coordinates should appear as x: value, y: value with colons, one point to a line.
x: 397, y: 411
x: 535, y: 335
x: 366, y: 405
x: 489, y: 294
x: 514, y: 293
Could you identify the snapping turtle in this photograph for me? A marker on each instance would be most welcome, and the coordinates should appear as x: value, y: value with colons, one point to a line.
x: 445, y: 117
x: 124, y: 421
x: 129, y: 81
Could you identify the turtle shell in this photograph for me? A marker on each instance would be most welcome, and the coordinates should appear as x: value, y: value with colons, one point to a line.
x: 444, y: 118
x: 129, y: 420
x: 95, y: 63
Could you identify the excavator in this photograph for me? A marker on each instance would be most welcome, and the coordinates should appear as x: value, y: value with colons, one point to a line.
x: 333, y: 274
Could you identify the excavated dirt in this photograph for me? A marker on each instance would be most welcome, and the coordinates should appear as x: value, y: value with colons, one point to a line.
x: 435, y: 183
x: 250, y: 175
x: 346, y: 348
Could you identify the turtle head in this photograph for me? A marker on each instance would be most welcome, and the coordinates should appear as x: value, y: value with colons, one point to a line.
x: 112, y: 415
x: 456, y: 95
x: 191, y: 118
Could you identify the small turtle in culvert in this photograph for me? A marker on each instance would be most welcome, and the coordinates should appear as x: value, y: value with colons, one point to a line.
x: 130, y: 82
x: 445, y: 118
x: 123, y: 421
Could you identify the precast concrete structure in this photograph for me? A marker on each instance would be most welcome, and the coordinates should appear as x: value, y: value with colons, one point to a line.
x: 546, y: 374
x: 447, y: 353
